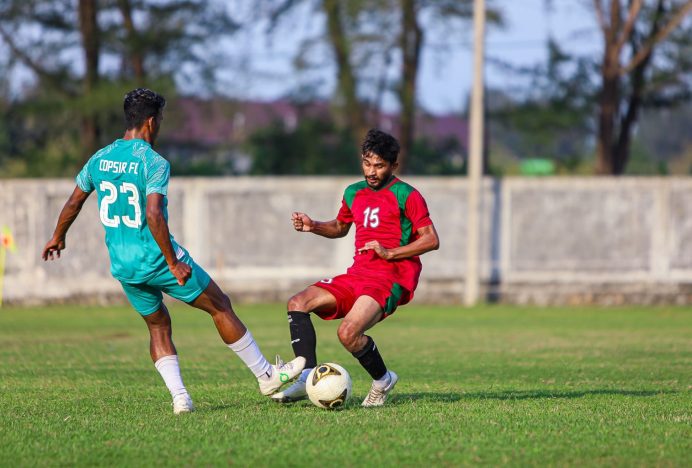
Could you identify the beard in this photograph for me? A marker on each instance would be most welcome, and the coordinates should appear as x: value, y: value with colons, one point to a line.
x: 377, y: 183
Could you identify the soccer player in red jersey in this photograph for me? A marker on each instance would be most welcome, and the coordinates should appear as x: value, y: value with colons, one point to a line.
x: 393, y: 228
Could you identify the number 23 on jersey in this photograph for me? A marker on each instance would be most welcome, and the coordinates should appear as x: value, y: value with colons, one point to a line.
x: 110, y: 196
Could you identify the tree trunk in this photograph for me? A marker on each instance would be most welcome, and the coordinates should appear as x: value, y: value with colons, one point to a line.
x: 614, y: 129
x: 609, y: 99
x: 88, y: 27
x: 346, y: 80
x: 411, y: 39
x: 610, y: 92
x: 621, y: 151
x: 134, y: 58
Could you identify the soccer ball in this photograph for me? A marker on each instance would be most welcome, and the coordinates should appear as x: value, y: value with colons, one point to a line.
x: 328, y: 385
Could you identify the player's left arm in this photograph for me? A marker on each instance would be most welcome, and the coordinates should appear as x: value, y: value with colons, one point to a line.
x: 427, y: 240
x: 67, y: 216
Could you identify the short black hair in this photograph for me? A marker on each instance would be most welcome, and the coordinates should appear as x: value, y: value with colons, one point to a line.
x: 140, y: 104
x: 382, y: 144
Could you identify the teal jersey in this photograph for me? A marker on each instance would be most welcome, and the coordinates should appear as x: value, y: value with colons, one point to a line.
x: 123, y: 174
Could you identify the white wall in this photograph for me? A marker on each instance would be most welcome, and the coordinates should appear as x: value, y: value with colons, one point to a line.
x: 552, y: 240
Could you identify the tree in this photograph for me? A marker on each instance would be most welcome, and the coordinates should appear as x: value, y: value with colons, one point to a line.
x: 38, y: 34
x: 316, y: 146
x: 341, y: 45
x: 65, y: 111
x: 553, y: 117
x: 573, y: 100
x: 664, y: 134
x: 91, y: 41
x: 179, y: 39
x: 640, y: 29
x: 411, y: 40
x: 133, y: 60
x: 366, y: 37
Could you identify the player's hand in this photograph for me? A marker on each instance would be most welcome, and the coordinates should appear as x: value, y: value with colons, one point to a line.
x: 54, y: 246
x: 302, y: 222
x: 377, y: 248
x: 181, y: 271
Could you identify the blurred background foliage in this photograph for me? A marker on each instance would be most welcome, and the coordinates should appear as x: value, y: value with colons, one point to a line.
x: 66, y: 65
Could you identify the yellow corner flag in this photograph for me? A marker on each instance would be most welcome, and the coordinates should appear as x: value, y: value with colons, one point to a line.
x: 7, y: 239
x: 6, y: 243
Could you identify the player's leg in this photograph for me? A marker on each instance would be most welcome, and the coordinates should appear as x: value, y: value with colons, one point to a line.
x: 365, y: 313
x: 160, y: 334
x: 218, y: 305
x: 303, y: 337
x: 165, y: 358
x: 148, y: 301
x: 239, y: 339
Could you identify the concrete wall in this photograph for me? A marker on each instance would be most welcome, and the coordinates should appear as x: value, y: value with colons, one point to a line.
x: 553, y: 240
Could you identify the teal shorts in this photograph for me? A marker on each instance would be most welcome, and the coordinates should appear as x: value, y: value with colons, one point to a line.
x: 146, y: 298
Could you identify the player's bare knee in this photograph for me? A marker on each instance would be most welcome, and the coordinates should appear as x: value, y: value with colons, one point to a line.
x: 298, y: 303
x: 226, y: 303
x: 217, y: 303
x: 348, y: 335
x: 158, y: 321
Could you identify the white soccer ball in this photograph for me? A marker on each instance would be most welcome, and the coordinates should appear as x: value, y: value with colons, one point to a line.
x: 328, y: 385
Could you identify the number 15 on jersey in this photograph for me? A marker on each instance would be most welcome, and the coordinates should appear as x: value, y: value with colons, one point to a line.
x: 372, y: 217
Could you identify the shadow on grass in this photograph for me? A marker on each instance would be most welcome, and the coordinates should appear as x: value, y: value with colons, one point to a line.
x: 431, y: 397
x: 537, y: 394
x: 400, y: 399
x: 428, y: 397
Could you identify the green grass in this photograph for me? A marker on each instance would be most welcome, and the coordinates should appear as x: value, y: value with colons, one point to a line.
x: 496, y: 385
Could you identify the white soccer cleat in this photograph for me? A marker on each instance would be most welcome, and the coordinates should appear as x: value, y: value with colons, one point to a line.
x: 377, y: 395
x: 183, y: 404
x: 295, y: 392
x: 282, y: 372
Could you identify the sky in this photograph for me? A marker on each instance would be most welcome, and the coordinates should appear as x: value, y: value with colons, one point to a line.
x: 445, y: 77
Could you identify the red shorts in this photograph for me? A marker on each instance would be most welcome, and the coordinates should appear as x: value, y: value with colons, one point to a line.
x: 349, y: 287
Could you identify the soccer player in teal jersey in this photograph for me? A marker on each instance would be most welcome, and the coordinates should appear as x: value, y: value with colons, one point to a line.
x: 131, y: 181
x: 393, y: 228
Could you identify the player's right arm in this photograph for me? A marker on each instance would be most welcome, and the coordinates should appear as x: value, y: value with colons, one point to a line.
x: 159, y: 229
x: 331, y: 229
x: 67, y: 216
x: 158, y: 173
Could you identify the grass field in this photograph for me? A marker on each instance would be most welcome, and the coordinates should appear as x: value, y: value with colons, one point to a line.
x: 496, y: 385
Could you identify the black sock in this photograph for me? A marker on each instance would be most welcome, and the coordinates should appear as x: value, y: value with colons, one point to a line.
x: 369, y: 357
x: 303, y: 338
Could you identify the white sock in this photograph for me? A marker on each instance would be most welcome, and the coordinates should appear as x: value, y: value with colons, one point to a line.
x: 304, y: 375
x: 170, y: 371
x: 384, y: 381
x: 247, y: 350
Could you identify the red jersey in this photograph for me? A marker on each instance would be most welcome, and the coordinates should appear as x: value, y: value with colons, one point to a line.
x: 391, y: 215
